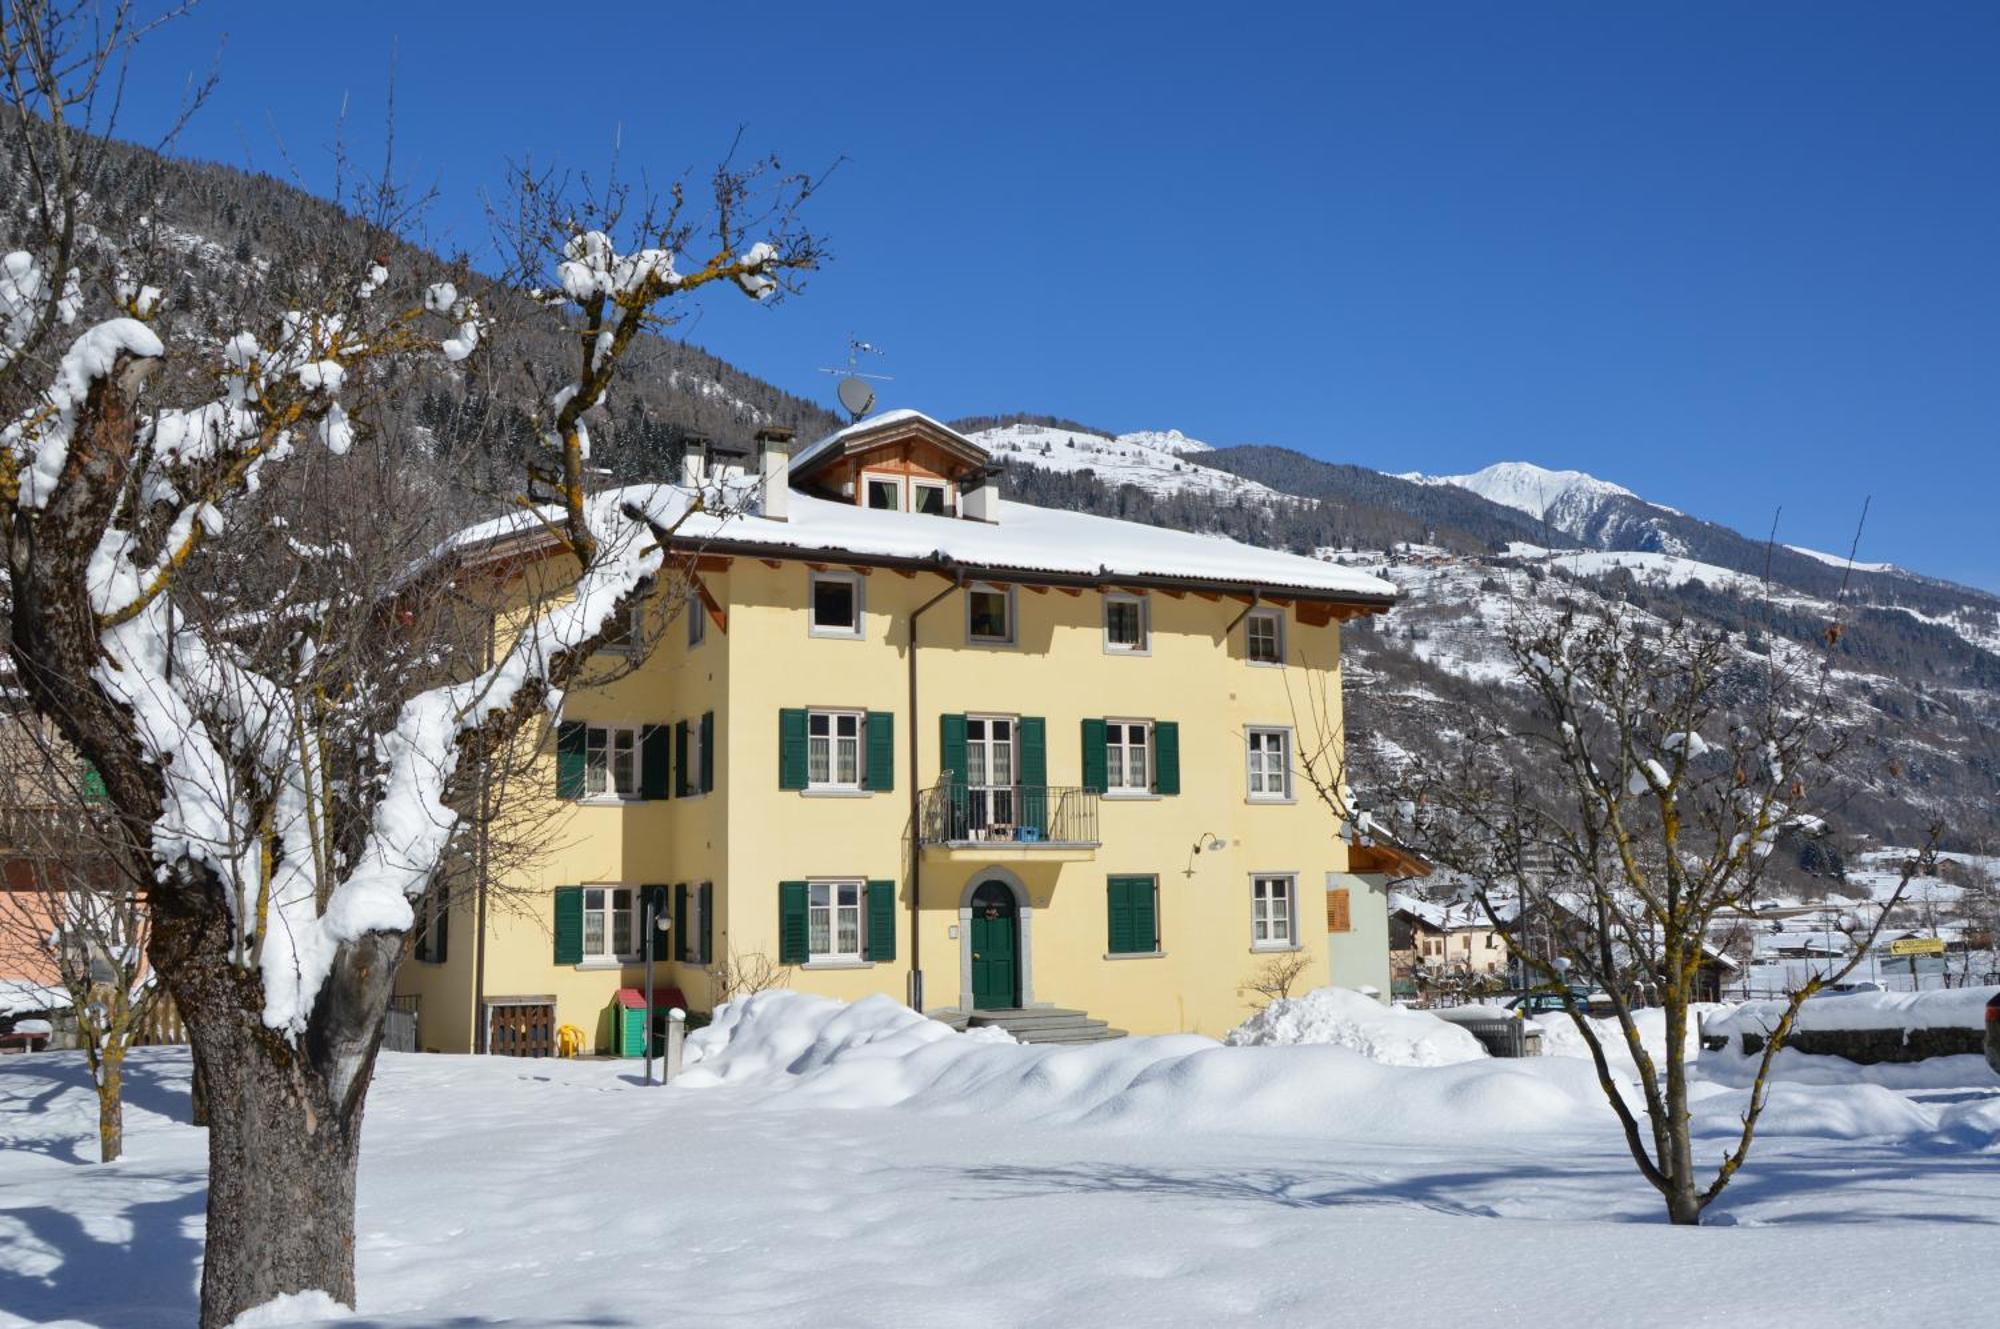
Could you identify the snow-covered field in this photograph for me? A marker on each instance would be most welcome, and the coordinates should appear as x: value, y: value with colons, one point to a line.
x: 831, y: 1165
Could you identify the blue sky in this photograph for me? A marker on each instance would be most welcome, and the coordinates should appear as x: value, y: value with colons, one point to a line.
x: 1733, y: 256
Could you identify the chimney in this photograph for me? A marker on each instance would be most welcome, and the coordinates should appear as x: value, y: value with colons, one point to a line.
x: 694, y: 462
x: 979, y: 496
x: 774, y: 469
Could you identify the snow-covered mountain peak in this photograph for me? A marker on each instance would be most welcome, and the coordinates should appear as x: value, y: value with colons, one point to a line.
x: 1170, y: 440
x: 1533, y: 489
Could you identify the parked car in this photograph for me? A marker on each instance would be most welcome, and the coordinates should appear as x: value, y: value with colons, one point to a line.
x: 1993, y: 1031
x: 1532, y: 1004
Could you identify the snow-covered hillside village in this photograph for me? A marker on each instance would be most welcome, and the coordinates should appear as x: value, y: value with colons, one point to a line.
x: 604, y: 727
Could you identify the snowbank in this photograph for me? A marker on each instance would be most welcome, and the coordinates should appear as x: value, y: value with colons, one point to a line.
x: 1958, y: 1008
x: 815, y: 1052
x: 1342, y: 1017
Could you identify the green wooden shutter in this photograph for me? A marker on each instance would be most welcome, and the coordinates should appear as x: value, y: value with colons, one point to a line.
x: 881, y: 920
x: 570, y: 759
x: 1096, y: 770
x: 681, y: 921
x: 1166, y: 757
x: 951, y: 747
x: 681, y: 785
x: 1033, y: 812
x: 569, y: 925
x: 1119, y: 939
x: 1134, y: 929
x: 657, y: 941
x: 1145, y: 900
x: 707, y: 897
x: 708, y: 752
x: 879, y: 769
x: 793, y: 937
x: 655, y: 760
x: 793, y: 771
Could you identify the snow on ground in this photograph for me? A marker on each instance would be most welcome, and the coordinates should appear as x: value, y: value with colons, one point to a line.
x: 836, y: 1166
x: 1840, y: 560
x: 1342, y: 1017
x: 1160, y: 463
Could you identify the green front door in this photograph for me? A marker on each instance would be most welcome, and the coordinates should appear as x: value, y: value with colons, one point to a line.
x: 996, y: 974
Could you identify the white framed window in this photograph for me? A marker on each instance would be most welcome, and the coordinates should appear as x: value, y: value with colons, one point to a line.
x: 1270, y: 764
x: 610, y: 927
x: 883, y: 492
x: 697, y: 616
x: 1272, y: 924
x: 1126, y: 631
x: 833, y: 749
x: 989, y: 615
x: 834, y: 607
x: 612, y: 762
x: 932, y: 498
x: 1128, y: 756
x: 833, y: 920
x: 1264, y: 636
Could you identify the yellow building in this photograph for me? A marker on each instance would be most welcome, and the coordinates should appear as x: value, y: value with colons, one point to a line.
x: 905, y: 737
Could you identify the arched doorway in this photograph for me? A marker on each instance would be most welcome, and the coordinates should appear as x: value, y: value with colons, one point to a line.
x: 994, y: 933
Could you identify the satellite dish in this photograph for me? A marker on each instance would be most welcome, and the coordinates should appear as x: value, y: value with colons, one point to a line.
x: 856, y: 396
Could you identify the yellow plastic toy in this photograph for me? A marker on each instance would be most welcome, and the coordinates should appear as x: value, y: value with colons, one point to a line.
x: 569, y: 1041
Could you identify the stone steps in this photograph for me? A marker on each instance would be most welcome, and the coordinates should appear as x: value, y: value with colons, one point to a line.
x: 1045, y: 1024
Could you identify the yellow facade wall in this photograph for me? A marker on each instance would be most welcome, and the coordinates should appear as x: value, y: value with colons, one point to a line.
x: 748, y: 835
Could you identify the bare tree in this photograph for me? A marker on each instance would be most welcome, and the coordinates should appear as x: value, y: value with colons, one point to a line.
x: 79, y: 904
x: 1641, y: 800
x: 740, y: 974
x: 1276, y: 978
x: 271, y: 693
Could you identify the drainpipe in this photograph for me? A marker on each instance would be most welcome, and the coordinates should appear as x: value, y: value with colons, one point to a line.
x: 1256, y: 598
x: 480, y: 841
x: 916, y: 994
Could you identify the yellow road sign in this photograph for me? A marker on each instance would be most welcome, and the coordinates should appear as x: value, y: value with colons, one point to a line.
x: 1917, y: 946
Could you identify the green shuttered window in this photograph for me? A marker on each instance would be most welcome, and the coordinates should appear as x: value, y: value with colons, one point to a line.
x: 681, y: 921
x: 705, y: 900
x: 881, y: 935
x: 655, y: 761
x: 1134, y: 911
x: 792, y: 923
x: 1095, y: 771
x: 681, y: 785
x: 708, y: 752
x: 1163, y: 737
x: 569, y: 925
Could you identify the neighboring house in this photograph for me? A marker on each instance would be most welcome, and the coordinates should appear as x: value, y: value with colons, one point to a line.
x: 1446, y: 949
x: 913, y: 740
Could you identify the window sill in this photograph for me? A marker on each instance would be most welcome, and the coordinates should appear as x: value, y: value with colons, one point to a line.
x: 1135, y: 955
x: 592, y: 965
x: 1265, y: 664
x: 1133, y: 796
x: 833, y: 634
x: 976, y: 644
x: 1265, y: 800
x: 1269, y: 948
x: 838, y: 964
x: 612, y: 800
x: 836, y: 793
x: 1133, y: 651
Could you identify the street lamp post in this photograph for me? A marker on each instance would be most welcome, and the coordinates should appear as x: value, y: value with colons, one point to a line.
x: 657, y: 920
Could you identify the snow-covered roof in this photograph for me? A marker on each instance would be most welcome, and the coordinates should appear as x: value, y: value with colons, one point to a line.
x: 804, y: 459
x: 1023, y: 538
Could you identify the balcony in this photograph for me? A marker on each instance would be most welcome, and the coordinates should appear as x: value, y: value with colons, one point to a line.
x: 1008, y: 821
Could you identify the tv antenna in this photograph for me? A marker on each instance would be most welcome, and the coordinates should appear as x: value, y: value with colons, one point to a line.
x: 856, y: 397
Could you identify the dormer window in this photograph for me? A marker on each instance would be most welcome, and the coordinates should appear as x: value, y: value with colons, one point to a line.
x: 885, y: 493
x: 930, y: 498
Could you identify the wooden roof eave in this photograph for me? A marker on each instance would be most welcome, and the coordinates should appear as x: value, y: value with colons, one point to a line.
x: 1344, y: 604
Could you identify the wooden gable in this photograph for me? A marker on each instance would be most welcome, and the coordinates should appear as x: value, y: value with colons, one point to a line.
x: 911, y: 449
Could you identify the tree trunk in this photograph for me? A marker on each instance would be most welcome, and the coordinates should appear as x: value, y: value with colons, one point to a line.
x: 111, y: 1102
x: 281, y: 1171
x: 284, y: 1126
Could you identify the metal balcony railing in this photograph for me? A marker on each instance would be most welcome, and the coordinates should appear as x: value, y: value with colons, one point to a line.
x: 1027, y: 816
